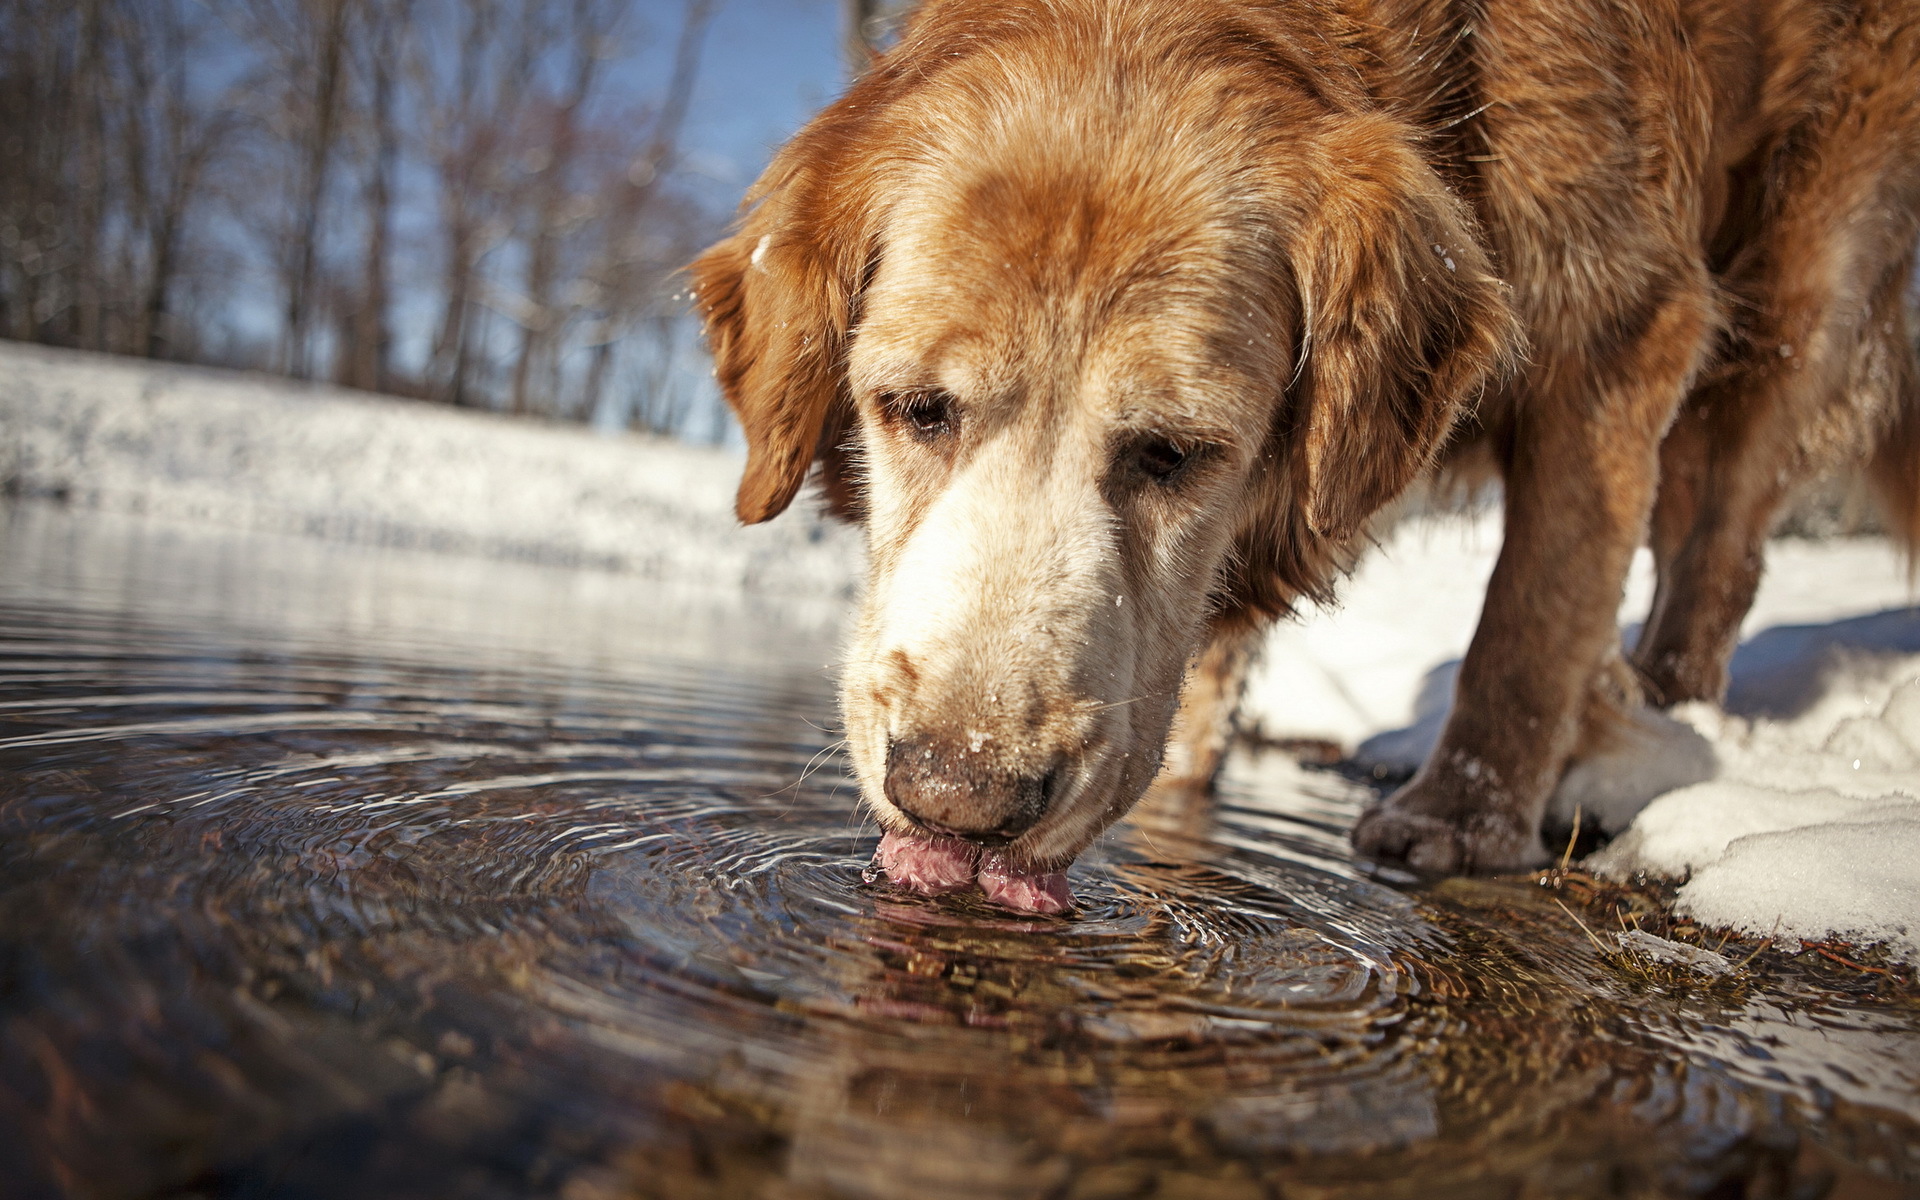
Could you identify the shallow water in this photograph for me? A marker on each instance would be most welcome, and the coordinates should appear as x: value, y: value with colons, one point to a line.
x: 333, y: 872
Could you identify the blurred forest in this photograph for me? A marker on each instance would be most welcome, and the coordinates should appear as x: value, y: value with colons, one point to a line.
x: 455, y: 200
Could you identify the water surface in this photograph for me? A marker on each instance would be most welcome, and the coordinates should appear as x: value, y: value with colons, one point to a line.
x: 341, y: 873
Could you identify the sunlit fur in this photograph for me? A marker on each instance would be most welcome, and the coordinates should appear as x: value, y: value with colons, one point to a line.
x: 1272, y: 234
x: 1098, y: 223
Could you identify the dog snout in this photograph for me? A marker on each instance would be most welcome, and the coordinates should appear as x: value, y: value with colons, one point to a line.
x: 947, y: 788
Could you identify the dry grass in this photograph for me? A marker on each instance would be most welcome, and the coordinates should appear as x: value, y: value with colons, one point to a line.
x: 1600, y: 905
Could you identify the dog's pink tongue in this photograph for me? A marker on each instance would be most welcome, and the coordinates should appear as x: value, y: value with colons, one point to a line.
x: 1024, y: 891
x: 928, y: 865
x: 933, y: 865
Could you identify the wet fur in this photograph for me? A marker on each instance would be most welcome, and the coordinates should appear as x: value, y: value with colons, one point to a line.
x: 1323, y: 248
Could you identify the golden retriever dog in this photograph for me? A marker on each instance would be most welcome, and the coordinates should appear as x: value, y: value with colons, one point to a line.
x: 1114, y: 322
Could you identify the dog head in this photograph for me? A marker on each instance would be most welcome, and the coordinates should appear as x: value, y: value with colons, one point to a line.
x: 1111, y: 325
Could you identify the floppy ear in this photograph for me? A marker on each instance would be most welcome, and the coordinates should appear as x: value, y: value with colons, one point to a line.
x: 777, y: 298
x: 1402, y: 323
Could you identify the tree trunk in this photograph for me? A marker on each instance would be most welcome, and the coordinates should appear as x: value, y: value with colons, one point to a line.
x: 371, y: 359
x: 87, y: 136
x: 153, y: 314
x: 306, y: 230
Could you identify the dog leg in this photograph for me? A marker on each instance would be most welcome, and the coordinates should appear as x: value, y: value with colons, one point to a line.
x: 1203, y: 729
x: 1579, y: 488
x: 1811, y: 391
x: 1729, y: 472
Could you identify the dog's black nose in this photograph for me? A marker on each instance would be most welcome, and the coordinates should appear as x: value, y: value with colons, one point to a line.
x: 949, y: 789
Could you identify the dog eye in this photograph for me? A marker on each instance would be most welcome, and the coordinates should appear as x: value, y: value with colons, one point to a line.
x: 1160, y: 459
x: 928, y: 416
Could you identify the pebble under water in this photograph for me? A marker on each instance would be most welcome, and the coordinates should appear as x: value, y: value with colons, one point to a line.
x: 329, y: 872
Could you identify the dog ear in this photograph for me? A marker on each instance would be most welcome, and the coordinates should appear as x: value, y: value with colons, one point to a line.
x: 777, y: 299
x: 1402, y: 324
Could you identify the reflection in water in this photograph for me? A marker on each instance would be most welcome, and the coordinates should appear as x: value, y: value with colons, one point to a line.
x: 331, y: 873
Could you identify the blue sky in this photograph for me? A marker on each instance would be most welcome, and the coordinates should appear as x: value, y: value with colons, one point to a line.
x: 766, y: 67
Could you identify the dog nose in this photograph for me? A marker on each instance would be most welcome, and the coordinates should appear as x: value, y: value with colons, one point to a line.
x: 949, y: 790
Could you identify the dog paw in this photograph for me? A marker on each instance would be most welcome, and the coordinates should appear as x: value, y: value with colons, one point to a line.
x: 1445, y: 835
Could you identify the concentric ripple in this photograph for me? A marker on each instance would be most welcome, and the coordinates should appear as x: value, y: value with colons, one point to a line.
x: 333, y: 873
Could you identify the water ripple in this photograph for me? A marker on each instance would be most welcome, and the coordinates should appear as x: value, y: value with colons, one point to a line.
x: 385, y: 920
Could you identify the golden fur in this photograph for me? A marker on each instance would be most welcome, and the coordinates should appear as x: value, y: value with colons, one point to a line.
x: 1115, y: 320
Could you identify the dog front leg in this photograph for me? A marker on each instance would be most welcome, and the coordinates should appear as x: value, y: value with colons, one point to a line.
x: 1204, y: 728
x: 1579, y: 486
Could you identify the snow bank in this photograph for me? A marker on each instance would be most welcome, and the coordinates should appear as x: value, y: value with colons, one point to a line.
x: 1690, y: 829
x: 1851, y: 880
x: 1652, y: 756
x: 259, y: 453
x: 1382, y: 662
x: 1811, y: 828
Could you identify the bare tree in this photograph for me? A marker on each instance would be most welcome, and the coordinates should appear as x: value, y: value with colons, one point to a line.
x: 627, y: 278
x: 497, y: 163
x: 108, y: 148
x: 170, y: 138
x: 295, y: 98
x: 470, y: 116
x: 867, y: 26
x: 324, y: 24
x: 55, y: 161
x: 366, y: 360
x: 87, y: 202
x: 556, y: 208
x: 33, y: 96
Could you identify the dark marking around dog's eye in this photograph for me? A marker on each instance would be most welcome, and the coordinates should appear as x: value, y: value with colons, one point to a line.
x: 927, y: 416
x: 1160, y: 458
x: 1164, y: 459
x: 1150, y: 462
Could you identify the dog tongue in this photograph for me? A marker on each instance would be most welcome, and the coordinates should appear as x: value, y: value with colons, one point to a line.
x: 1024, y: 891
x: 931, y: 866
x: 928, y: 865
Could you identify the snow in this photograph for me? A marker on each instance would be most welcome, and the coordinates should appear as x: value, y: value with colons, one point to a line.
x: 263, y: 454
x: 1382, y: 662
x: 1793, y: 811
x: 1692, y: 828
x: 1811, y: 827
x: 1842, y: 879
x: 1652, y: 756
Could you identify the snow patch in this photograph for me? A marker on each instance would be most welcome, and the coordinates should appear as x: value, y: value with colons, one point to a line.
x: 1651, y: 756
x: 1693, y: 828
x: 1811, y: 830
x: 1848, y: 879
x: 269, y: 455
x: 1363, y: 668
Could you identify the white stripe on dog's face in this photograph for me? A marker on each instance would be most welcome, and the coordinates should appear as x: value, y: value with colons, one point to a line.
x: 935, y: 587
x: 1001, y: 571
x: 987, y: 597
x: 990, y: 628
